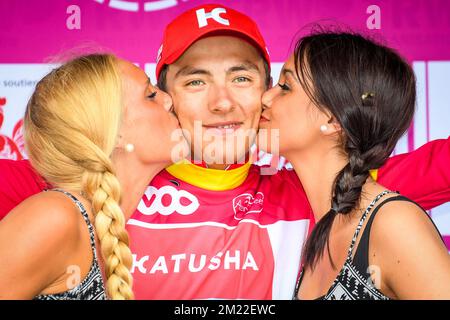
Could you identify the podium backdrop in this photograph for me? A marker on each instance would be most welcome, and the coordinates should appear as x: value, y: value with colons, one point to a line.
x: 34, y: 32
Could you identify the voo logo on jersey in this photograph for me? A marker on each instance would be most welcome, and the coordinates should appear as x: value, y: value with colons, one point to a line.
x: 167, y: 200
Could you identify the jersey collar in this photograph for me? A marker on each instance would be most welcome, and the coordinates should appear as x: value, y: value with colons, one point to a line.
x: 210, y: 179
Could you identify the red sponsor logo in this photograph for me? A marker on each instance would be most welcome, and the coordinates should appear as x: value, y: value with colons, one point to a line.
x: 2, y: 103
x: 246, y: 203
x: 11, y: 148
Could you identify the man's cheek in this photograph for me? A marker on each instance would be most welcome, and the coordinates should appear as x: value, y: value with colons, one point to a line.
x: 255, y: 114
x: 177, y: 99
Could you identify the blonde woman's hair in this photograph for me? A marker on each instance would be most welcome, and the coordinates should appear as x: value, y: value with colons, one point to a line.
x: 71, y: 128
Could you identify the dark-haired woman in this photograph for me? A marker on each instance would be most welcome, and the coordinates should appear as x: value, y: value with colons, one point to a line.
x: 341, y: 104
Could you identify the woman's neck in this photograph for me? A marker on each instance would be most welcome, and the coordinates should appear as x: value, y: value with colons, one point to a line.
x: 317, y: 172
x: 134, y: 177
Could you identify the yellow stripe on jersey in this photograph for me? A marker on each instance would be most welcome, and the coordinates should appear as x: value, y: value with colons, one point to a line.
x: 217, y: 180
x: 209, y: 179
x: 374, y: 174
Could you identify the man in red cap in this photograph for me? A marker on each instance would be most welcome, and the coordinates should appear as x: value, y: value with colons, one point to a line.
x: 228, y: 231
x: 216, y: 228
x: 222, y: 61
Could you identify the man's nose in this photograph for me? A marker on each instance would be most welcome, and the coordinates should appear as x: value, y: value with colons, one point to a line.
x: 221, y: 100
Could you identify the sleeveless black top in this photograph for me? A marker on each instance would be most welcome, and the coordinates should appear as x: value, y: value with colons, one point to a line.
x: 353, y: 281
x: 92, y: 287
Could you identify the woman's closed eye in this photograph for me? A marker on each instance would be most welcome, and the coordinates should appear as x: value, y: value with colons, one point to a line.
x: 284, y: 86
x: 152, y: 95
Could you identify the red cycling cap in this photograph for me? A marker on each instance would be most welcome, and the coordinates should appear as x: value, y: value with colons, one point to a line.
x: 204, y: 20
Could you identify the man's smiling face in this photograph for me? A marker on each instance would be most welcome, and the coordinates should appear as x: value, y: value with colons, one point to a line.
x: 216, y: 87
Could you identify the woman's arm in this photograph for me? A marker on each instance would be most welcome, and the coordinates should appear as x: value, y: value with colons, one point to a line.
x: 36, y: 243
x: 414, y: 262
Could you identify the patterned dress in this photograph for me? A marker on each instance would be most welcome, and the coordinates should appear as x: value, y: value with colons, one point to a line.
x: 353, y: 281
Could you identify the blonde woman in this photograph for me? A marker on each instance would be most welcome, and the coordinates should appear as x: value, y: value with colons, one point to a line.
x: 93, y: 127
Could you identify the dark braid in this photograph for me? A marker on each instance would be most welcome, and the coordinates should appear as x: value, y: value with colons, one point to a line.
x: 370, y: 91
x: 347, y: 192
x: 348, y: 184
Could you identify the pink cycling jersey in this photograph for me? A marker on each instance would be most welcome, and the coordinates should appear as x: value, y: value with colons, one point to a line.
x: 244, y: 243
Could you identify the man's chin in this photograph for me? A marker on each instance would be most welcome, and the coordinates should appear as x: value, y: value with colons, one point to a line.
x: 224, y: 159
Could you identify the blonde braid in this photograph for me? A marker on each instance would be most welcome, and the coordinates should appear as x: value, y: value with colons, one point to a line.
x: 71, y: 128
x: 104, y: 190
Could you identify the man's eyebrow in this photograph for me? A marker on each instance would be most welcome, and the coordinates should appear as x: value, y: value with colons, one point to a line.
x: 188, y: 71
x: 245, y: 66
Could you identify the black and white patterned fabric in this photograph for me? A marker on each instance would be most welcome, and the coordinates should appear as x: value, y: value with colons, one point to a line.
x: 353, y: 282
x: 92, y: 286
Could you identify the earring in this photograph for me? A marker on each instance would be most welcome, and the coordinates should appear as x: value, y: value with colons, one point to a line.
x: 323, y: 128
x: 129, y: 147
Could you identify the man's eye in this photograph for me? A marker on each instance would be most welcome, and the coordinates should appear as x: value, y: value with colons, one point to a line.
x: 195, y: 83
x: 241, y: 79
x: 152, y: 95
x: 284, y: 86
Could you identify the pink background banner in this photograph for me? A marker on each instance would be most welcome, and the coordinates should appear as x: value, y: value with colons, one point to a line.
x: 32, y: 30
